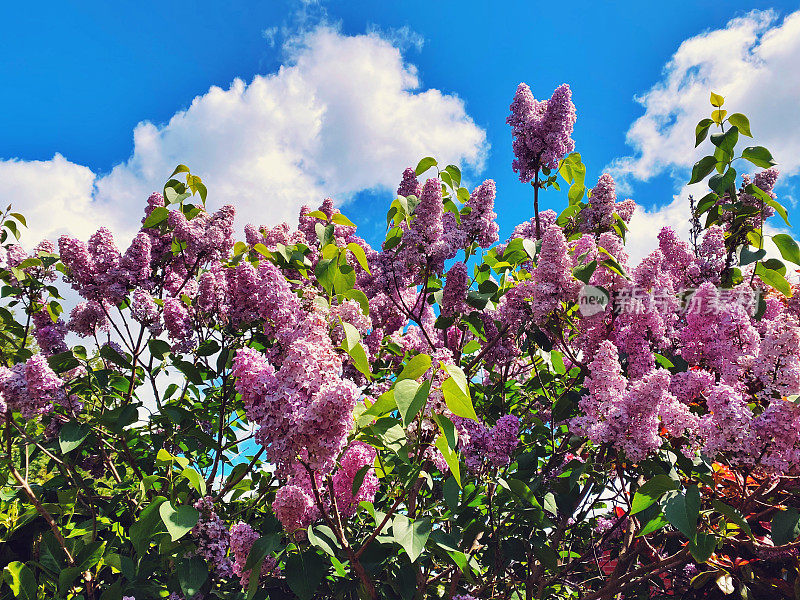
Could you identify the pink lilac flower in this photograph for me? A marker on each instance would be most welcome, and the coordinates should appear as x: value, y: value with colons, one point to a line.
x: 212, y: 538
x: 718, y: 336
x: 49, y: 334
x: 88, y: 319
x: 629, y: 415
x: 454, y: 295
x: 481, y: 445
x: 599, y: 214
x: 242, y: 538
x: 135, y: 263
x: 30, y: 388
x: 726, y: 426
x: 178, y: 323
x: 778, y: 364
x: 480, y: 224
x: 144, y: 310
x: 357, y: 456
x: 776, y: 436
x: 551, y: 283
x: 304, y: 406
x: 294, y: 507
x: 409, y: 186
x: 541, y: 130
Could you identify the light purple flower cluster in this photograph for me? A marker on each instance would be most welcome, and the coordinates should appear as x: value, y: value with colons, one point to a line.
x: 30, y: 388
x: 454, y: 295
x: 482, y: 445
x: 178, y: 322
x: 541, y: 130
x: 629, y: 415
x: 294, y: 507
x: 409, y: 186
x: 480, y: 224
x: 242, y: 538
x: 88, y: 319
x: 304, y: 407
x: 49, y: 334
x: 355, y: 457
x: 212, y: 538
x: 97, y: 270
x: 551, y: 283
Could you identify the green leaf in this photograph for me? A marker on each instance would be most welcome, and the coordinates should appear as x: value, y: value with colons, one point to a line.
x: 304, y: 573
x: 264, y: 545
x: 410, y: 397
x: 416, y: 367
x: 702, y: 547
x: 723, y: 183
x: 340, y: 219
x: 455, y: 174
x: 360, y: 255
x: 425, y: 164
x: 774, y: 278
x: 195, y: 480
x: 21, y: 580
x: 701, y: 131
x: 726, y: 141
x: 584, y: 272
x: 360, y: 360
x: 384, y: 404
x: 457, y: 399
x: 717, y: 100
x: 323, y: 538
x: 178, y: 521
x: 682, y: 511
x: 785, y: 526
x: 158, y: 215
x: 702, y: 168
x: 759, y: 156
x: 72, y: 435
x: 748, y: 257
x: 325, y: 272
x: 180, y: 169
x: 450, y: 457
x: 779, y: 208
x: 652, y: 525
x: 359, y: 297
x: 411, y: 535
x: 146, y: 526
x: 520, y: 490
x: 192, y: 574
x: 651, y: 491
x: 19, y: 218
x: 788, y: 247
x: 159, y: 348
x: 741, y: 122
x: 732, y: 515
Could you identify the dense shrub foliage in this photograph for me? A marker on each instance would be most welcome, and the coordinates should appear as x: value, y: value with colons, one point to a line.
x: 299, y: 415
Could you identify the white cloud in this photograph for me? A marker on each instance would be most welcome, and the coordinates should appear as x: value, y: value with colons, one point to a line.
x: 752, y: 62
x: 342, y: 115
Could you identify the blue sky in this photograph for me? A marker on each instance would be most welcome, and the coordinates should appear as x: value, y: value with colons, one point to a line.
x: 78, y: 82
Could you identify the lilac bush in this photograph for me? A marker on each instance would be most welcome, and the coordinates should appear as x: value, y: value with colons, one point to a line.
x: 301, y: 415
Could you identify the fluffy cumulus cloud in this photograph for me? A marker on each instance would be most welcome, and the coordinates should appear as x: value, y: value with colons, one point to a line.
x: 752, y: 62
x: 342, y: 115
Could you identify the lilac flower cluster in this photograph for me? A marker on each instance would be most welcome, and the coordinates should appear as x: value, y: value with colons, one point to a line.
x: 541, y: 130
x: 30, y: 388
x: 482, y: 445
x: 212, y: 538
x: 242, y: 538
x: 357, y: 456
